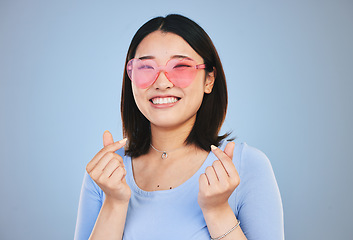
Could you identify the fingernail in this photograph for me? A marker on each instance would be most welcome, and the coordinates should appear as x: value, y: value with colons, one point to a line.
x: 213, y: 147
x: 122, y: 141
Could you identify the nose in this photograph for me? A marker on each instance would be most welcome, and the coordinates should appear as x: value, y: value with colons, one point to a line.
x: 162, y: 82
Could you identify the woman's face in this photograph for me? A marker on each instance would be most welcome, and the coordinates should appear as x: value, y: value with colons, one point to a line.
x: 162, y: 103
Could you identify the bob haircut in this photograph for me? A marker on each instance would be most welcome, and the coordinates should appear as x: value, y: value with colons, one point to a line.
x: 212, y: 111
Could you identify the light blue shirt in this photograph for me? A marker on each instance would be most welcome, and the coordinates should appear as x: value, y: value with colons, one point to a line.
x: 175, y: 213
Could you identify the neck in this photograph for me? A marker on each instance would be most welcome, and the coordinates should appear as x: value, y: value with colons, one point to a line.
x: 167, y: 139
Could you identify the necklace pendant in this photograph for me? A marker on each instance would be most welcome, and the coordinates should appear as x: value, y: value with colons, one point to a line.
x: 164, y: 155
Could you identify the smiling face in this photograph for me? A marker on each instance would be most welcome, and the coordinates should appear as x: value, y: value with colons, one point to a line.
x: 162, y: 103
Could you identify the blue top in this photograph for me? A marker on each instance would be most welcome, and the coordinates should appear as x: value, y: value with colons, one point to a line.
x: 175, y: 213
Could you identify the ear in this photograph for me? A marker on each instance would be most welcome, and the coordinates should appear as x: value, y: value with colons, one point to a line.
x: 210, y: 78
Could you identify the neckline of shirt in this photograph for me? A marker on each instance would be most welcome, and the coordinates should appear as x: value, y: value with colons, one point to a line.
x: 168, y: 192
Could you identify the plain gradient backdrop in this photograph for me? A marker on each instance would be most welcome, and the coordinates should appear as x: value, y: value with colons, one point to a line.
x: 289, y: 67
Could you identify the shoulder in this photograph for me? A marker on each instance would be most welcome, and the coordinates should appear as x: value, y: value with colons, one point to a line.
x: 255, y: 171
x: 256, y: 174
x: 251, y: 160
x: 247, y: 157
x: 258, y: 199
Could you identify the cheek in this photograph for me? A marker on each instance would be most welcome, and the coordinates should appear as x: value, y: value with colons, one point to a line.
x: 197, y: 88
x: 196, y: 95
x: 138, y: 97
x: 137, y: 92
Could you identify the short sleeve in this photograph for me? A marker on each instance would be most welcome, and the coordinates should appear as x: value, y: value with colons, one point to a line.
x: 259, y: 202
x: 89, y: 207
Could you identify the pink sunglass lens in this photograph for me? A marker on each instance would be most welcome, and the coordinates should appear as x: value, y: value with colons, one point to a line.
x: 142, y: 72
x: 181, y: 72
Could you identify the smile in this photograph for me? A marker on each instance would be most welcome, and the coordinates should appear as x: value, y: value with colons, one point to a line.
x: 164, y: 100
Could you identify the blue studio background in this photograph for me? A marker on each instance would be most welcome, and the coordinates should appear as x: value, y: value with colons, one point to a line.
x: 289, y: 68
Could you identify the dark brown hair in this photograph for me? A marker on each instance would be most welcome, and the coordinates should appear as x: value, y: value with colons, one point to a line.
x: 212, y: 112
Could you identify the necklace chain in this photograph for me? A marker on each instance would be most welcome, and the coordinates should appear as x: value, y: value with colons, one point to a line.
x: 164, y: 153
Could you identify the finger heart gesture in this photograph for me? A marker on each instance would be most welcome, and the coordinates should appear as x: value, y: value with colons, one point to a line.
x: 108, y: 171
x: 219, y: 180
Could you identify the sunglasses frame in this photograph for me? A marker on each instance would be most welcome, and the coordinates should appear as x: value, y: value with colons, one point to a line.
x: 160, y: 68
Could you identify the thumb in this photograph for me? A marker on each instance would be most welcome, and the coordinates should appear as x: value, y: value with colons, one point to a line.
x: 107, y: 138
x: 229, y: 149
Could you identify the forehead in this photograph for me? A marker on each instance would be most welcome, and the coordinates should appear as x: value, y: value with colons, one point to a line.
x: 162, y: 46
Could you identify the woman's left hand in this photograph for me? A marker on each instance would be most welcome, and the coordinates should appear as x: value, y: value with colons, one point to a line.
x: 219, y: 180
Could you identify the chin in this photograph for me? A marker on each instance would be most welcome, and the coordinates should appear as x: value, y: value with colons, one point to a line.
x: 165, y: 123
x: 172, y: 122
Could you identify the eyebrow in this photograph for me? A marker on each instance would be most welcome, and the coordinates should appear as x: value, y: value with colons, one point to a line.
x: 174, y: 56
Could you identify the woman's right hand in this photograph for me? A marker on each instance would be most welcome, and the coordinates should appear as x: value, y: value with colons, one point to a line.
x: 108, y: 171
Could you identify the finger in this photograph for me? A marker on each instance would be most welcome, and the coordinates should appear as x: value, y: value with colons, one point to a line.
x: 107, y: 138
x: 211, y: 175
x: 118, y: 174
x: 225, y: 159
x: 220, y: 154
x: 110, y: 167
x: 110, y: 148
x: 103, y: 162
x: 229, y: 149
x: 220, y: 171
x: 203, y: 182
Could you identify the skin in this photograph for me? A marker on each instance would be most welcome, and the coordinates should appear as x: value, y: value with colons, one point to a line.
x: 162, y: 47
x: 169, y: 129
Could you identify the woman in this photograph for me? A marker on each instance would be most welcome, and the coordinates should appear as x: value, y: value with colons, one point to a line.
x: 162, y: 181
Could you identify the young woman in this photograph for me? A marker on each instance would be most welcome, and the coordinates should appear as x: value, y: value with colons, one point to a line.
x: 173, y: 177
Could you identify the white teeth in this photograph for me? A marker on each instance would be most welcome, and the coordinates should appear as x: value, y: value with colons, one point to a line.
x: 164, y: 100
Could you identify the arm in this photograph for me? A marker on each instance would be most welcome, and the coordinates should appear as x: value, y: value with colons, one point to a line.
x: 111, y: 221
x: 222, y: 219
x: 96, y: 219
x: 88, y: 209
x: 106, y: 172
x: 259, y: 201
x: 216, y: 185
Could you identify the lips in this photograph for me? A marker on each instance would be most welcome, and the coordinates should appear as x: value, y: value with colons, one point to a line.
x: 164, y: 100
